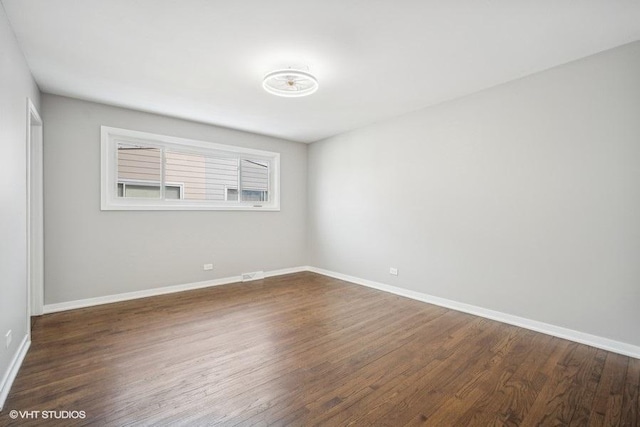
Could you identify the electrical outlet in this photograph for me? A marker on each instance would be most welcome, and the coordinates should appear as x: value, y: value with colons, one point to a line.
x: 207, y: 267
x: 7, y: 339
x: 393, y: 271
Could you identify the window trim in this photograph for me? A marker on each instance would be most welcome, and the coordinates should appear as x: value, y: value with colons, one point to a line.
x: 110, y: 136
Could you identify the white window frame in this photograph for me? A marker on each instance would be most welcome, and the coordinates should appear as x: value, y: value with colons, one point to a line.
x: 110, y: 137
x: 151, y: 184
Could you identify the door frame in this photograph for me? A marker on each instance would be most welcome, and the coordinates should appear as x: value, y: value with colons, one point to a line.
x: 35, y: 214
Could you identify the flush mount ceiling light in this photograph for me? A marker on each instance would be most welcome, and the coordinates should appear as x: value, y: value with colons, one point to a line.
x: 290, y: 83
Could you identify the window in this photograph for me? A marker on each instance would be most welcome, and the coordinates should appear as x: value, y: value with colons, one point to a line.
x: 143, y: 171
x: 127, y: 188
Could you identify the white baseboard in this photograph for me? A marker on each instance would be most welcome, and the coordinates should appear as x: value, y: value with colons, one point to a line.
x: 534, y: 325
x: 12, y: 372
x: 286, y: 271
x: 108, y: 299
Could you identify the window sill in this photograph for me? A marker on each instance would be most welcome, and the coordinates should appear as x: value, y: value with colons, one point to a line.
x: 116, y: 207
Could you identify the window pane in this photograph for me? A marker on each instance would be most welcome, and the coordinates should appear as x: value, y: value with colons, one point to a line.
x: 255, y: 180
x: 141, y: 165
x: 232, y: 194
x: 171, y: 192
x: 142, y: 191
x: 254, y: 196
x: 202, y: 177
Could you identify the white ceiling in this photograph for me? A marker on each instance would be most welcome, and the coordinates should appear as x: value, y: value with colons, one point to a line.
x: 204, y: 60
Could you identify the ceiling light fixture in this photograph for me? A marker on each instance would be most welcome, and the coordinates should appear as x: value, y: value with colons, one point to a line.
x: 290, y: 83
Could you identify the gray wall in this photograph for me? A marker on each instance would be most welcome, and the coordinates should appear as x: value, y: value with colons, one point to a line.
x: 523, y: 198
x: 16, y: 84
x: 91, y: 253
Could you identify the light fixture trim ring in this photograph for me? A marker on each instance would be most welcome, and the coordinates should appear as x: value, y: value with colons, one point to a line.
x: 290, y: 72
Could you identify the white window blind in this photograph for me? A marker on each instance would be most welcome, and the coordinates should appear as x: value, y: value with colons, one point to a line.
x: 147, y: 171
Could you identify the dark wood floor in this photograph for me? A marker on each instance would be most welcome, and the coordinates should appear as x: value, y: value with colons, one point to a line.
x: 305, y: 349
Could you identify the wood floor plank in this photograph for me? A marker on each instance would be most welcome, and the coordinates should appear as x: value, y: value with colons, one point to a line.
x: 583, y: 412
x: 357, y: 410
x: 631, y: 399
x: 306, y: 349
x: 399, y: 362
x: 370, y: 365
x: 607, y: 403
x: 244, y: 399
x: 500, y: 367
x: 508, y: 400
x: 427, y: 389
x: 558, y: 403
